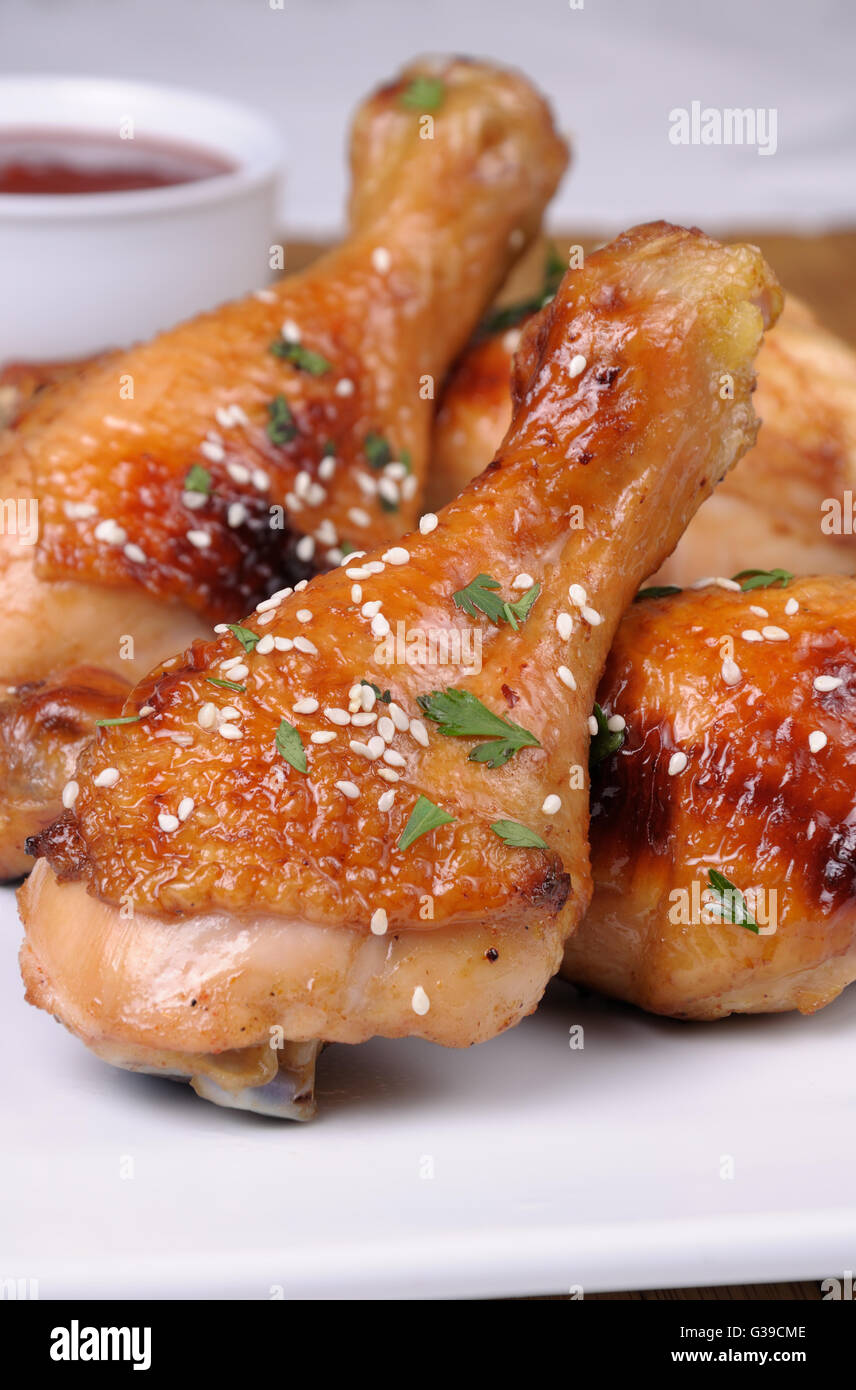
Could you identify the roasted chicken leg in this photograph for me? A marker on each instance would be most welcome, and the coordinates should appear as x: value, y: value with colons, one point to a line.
x: 364, y: 810
x: 729, y: 806
x: 185, y: 480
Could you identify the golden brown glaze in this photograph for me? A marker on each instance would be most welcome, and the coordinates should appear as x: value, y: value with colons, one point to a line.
x: 263, y: 895
x: 437, y: 222
x: 43, y: 727
x: 754, y: 802
x: 770, y: 510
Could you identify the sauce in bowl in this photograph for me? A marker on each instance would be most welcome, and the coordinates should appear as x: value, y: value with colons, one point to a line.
x: 34, y: 161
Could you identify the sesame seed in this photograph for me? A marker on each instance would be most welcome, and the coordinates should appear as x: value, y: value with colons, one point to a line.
x: 237, y: 673
x: 419, y: 732
x: 111, y: 532
x: 523, y: 581
x: 264, y: 618
x: 420, y: 1002
x: 356, y: 593
x: 381, y: 260
x: 369, y: 609
x: 358, y: 516
x: 358, y: 572
x: 337, y: 716
x: 388, y: 490
x: 577, y: 595
x: 816, y: 740
x: 200, y: 539
x: 385, y: 800
x: 352, y: 556
x: 327, y: 467
x: 731, y: 672
x: 344, y: 387
x: 564, y: 625
x: 386, y: 728
x: 592, y: 725
x: 368, y: 697
x: 215, y: 453
x: 79, y: 511
x: 108, y: 778
x: 147, y: 709
x: 577, y: 365
x: 223, y: 416
x: 551, y: 805
x: 375, y: 566
x: 237, y: 514
x: 376, y: 746
x: 185, y: 806
x: 677, y: 763
x: 303, y: 644
x: 298, y: 589
x: 266, y: 296
x: 615, y: 723
x: 260, y: 479
x: 379, y: 922
x: 826, y: 683
x: 290, y: 331
x: 567, y: 677
x: 194, y: 501
x: 323, y: 736
x: 264, y: 645
x: 238, y: 472
x: 283, y: 644
x: 396, y: 556
x: 348, y: 789
x: 229, y: 731
x: 304, y: 615
x: 792, y: 607
x: 758, y: 611
x: 362, y: 750
x: 380, y: 626
x: 316, y: 495
x: 775, y: 634
x: 591, y: 616
x: 398, y: 717
x: 307, y: 705
x: 325, y: 534
x: 427, y: 523
x: 703, y: 583
x: 207, y: 716
x: 410, y: 486
x: 229, y: 712
x: 70, y: 792
x: 388, y: 774
x: 731, y: 584
x: 394, y: 758
x: 293, y: 502
x: 167, y: 822
x: 361, y: 719
x: 134, y: 553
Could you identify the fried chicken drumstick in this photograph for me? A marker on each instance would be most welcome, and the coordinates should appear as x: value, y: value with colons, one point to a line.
x: 303, y: 837
x: 184, y: 480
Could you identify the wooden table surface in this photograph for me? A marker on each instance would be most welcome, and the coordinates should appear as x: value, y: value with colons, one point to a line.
x: 822, y: 271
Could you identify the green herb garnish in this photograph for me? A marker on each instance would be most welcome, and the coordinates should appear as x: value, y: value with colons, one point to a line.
x: 289, y: 746
x: 122, y: 719
x: 246, y: 638
x: 281, y: 427
x: 301, y: 357
x: 227, y: 685
x: 762, y: 579
x: 500, y: 320
x: 384, y: 698
x: 518, y: 836
x: 377, y: 450
x: 657, y: 591
x: 480, y: 593
x: 731, y: 901
x: 198, y: 479
x: 347, y: 547
x: 461, y: 715
x: 423, y: 94
x: 606, y: 741
x: 425, y: 816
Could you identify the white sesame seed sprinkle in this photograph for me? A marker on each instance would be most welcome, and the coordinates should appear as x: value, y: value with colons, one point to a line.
x: 385, y: 800
x: 167, y: 822
x: 577, y: 595
x: 677, y: 763
x: 388, y: 774
x: 344, y: 387
x: 566, y: 676
x: 207, y: 716
x: 427, y: 523
x: 817, y: 740
x: 362, y: 750
x: 214, y: 453
x: 236, y: 515
x: 590, y: 616
x: 147, y: 709
x: 200, y: 539
x: 79, y: 511
x: 108, y: 778
x: 376, y: 746
x: 731, y: 672
x: 522, y: 581
x: 564, y: 625
x: 323, y: 736
x: 381, y: 260
x: 380, y: 626
x: 358, y: 516
x: 577, y: 365
x: 185, y: 806
x: 336, y: 715
x: 303, y: 644
x: 551, y: 805
x: 283, y: 644
x: 386, y: 728
x: 111, y: 532
x: 260, y: 480
x: 230, y: 731
x: 398, y: 717
x: 264, y: 645
x: 615, y: 723
x: 356, y: 593
x: 361, y: 719
x: 750, y: 634
x: 290, y: 331
x: 348, y: 789
x: 592, y: 725
x: 69, y: 794
x: 367, y: 697
x: 304, y: 615
x: 420, y: 1003
x: 238, y: 472
x: 379, y: 922
x: 419, y: 732
x: 758, y: 610
x: 371, y: 608
x: 396, y: 556
x: 792, y: 607
x: 307, y: 705
x: 327, y: 467
x: 134, y: 553
x: 827, y: 683
x: 394, y: 758
x: 775, y: 634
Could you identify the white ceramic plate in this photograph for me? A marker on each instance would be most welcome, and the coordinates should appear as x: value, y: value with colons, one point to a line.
x: 552, y: 1167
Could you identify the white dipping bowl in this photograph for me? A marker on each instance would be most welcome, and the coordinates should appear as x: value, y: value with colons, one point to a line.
x: 84, y: 272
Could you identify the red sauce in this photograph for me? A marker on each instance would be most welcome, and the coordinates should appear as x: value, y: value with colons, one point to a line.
x: 78, y: 161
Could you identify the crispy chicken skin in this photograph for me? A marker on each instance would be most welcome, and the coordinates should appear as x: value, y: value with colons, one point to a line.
x: 769, y: 509
x: 756, y: 801
x: 150, y: 934
x: 296, y: 452
x: 43, y: 727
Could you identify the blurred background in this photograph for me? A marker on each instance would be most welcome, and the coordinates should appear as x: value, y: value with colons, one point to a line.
x: 613, y: 69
